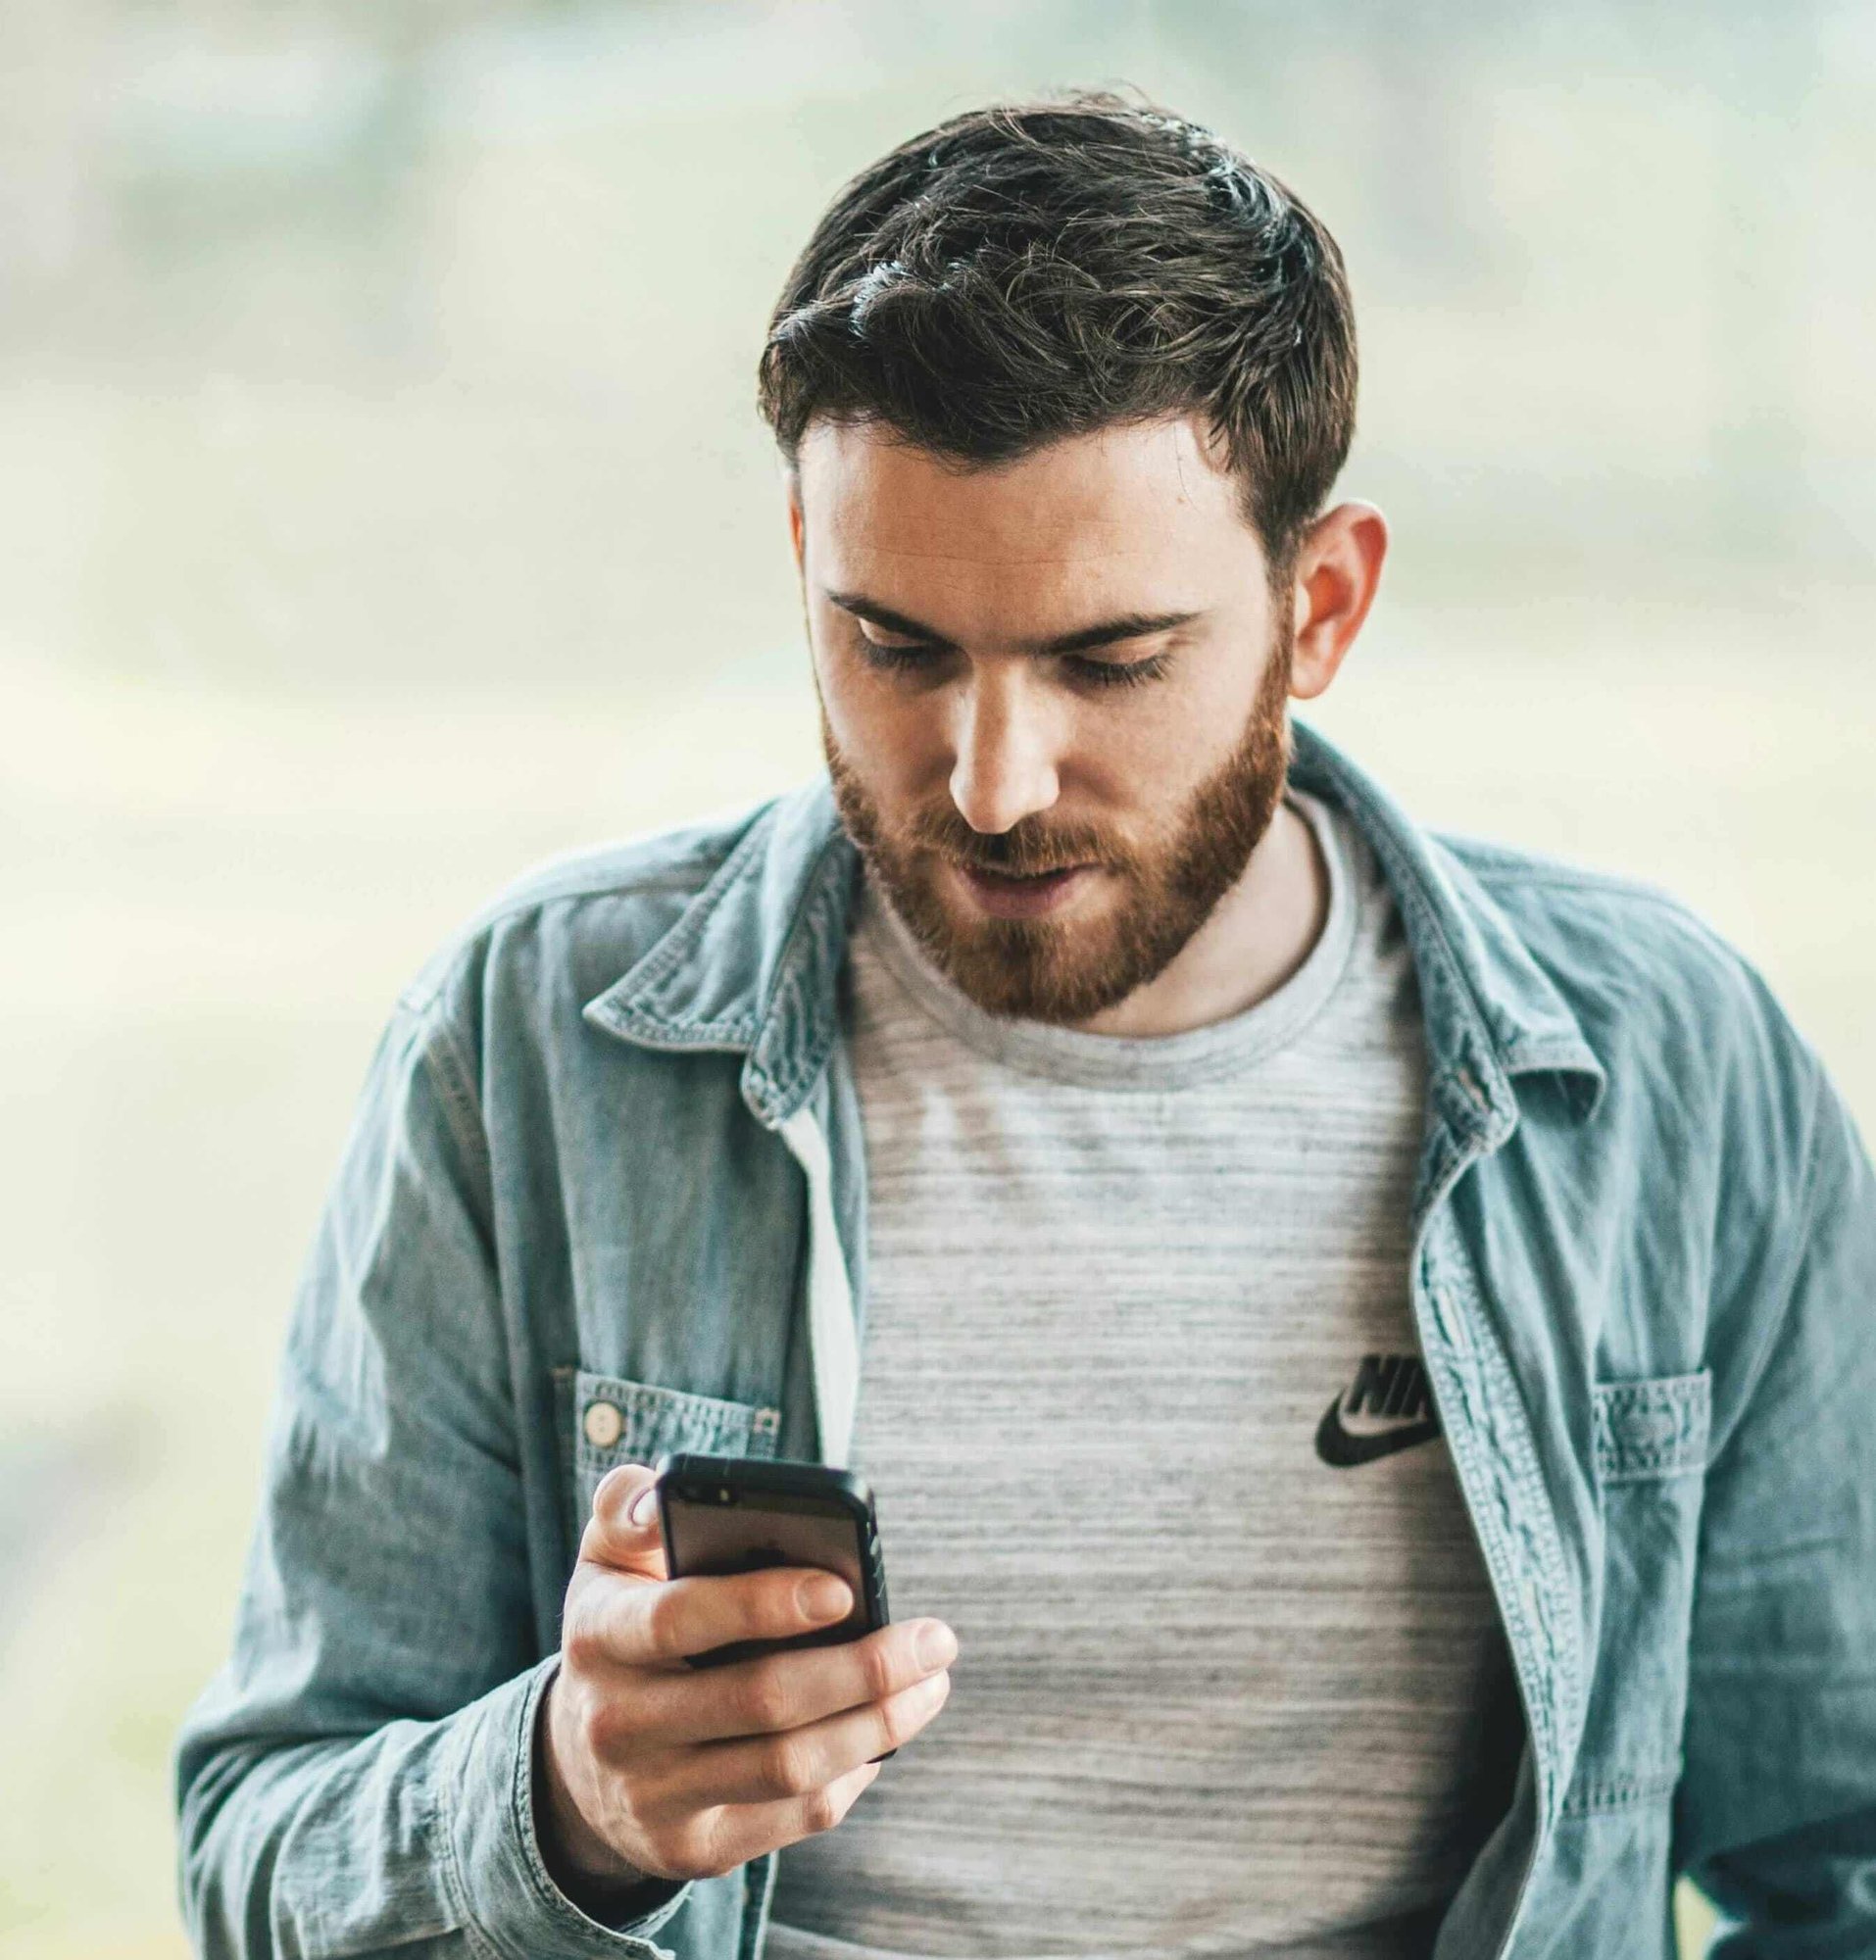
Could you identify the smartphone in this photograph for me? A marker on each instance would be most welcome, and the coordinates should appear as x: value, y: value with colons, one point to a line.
x: 724, y: 1514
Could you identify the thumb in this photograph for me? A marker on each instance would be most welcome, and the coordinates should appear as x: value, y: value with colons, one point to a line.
x: 622, y: 1533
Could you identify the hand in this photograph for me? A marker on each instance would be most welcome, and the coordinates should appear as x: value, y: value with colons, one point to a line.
x: 651, y: 1767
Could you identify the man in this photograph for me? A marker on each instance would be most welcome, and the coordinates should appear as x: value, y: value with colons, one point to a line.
x: 1365, y: 1336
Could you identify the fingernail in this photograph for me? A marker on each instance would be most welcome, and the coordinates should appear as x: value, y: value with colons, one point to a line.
x: 936, y: 1644
x: 644, y: 1506
x: 821, y: 1598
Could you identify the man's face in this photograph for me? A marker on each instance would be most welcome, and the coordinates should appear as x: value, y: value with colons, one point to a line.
x: 1054, y: 822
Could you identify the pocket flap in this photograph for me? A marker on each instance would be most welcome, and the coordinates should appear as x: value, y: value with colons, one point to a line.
x: 1653, y: 1427
x: 617, y: 1421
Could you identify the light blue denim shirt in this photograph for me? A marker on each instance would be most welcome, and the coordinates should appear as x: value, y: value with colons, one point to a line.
x: 608, y: 1150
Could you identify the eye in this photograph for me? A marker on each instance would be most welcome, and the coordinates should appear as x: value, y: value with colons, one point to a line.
x: 917, y: 656
x: 1116, y: 674
x: 895, y: 655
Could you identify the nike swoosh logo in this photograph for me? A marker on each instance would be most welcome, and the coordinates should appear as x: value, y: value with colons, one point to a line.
x: 1336, y: 1447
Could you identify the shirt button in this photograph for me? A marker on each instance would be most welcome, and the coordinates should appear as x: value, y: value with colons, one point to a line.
x: 604, y: 1425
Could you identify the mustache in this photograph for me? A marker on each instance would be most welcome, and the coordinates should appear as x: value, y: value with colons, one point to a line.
x: 1026, y: 849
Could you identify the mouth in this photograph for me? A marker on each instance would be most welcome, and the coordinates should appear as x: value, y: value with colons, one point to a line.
x: 1007, y: 895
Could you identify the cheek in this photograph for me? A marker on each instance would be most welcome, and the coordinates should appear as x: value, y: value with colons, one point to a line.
x: 892, y: 741
x: 851, y: 715
x: 1223, y: 697
x: 1148, y: 754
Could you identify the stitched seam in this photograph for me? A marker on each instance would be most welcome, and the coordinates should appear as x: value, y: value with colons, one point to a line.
x: 1504, y: 865
x: 485, y: 923
x: 1662, y: 1390
x: 1495, y: 1526
x: 1553, y: 1051
x: 1514, y: 1435
x: 638, y: 1396
x: 1500, y: 1522
x: 695, y: 1034
x: 1651, y: 1473
x: 1407, y: 893
x: 822, y: 891
x: 1548, y: 879
x: 678, y: 941
x: 1619, y: 1791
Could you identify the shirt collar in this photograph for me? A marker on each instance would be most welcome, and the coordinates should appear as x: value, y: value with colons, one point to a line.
x: 1492, y: 1012
x: 752, y: 963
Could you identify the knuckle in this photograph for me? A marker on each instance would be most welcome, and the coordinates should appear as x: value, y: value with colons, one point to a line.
x: 582, y: 1645
x: 664, y: 1615
x: 880, y: 1670
x: 639, y: 1836
x: 821, y: 1809
x: 904, y: 1715
x: 680, y: 1853
x: 707, y: 1851
x: 601, y: 1729
x: 786, y: 1770
x: 894, y: 1728
x: 766, y: 1701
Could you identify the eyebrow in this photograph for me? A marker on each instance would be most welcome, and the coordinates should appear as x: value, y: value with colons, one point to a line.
x: 1103, y: 634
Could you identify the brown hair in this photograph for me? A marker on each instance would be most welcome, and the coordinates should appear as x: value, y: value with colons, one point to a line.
x: 1037, y: 269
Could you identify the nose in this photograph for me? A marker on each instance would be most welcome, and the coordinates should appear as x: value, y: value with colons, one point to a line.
x: 1006, y: 753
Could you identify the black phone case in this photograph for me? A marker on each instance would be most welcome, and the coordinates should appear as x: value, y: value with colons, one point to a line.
x: 774, y: 1495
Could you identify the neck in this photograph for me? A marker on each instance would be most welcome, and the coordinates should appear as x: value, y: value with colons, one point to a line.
x: 1257, y: 937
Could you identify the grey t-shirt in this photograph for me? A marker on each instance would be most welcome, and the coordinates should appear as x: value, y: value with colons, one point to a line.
x: 1230, y: 1682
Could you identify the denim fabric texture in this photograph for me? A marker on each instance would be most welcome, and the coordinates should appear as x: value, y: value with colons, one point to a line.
x: 607, y: 1150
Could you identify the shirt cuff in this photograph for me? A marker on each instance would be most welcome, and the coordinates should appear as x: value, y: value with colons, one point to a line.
x: 486, y: 1814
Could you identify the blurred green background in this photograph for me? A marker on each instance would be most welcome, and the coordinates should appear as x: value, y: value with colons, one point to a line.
x: 383, y: 507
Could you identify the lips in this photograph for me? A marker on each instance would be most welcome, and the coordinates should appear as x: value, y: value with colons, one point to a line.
x: 1004, y: 896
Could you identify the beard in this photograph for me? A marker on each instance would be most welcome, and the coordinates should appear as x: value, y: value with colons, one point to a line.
x: 1068, y: 970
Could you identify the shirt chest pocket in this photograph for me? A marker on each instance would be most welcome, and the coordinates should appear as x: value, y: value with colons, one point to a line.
x: 606, y: 1420
x: 1649, y: 1429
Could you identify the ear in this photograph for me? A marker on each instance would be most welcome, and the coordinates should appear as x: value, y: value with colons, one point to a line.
x: 1338, y: 573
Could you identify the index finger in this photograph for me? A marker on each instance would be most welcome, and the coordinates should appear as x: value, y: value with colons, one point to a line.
x: 660, y: 1626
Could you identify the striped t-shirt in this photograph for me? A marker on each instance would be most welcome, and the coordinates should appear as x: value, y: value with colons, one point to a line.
x: 1231, y: 1679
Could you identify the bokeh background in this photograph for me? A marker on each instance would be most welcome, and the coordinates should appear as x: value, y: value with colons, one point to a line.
x: 383, y: 507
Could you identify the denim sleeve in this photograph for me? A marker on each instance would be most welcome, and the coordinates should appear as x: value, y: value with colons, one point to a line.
x: 358, y: 1777
x: 1776, y: 1816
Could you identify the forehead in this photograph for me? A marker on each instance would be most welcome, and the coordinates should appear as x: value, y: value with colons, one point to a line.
x: 1136, y: 513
